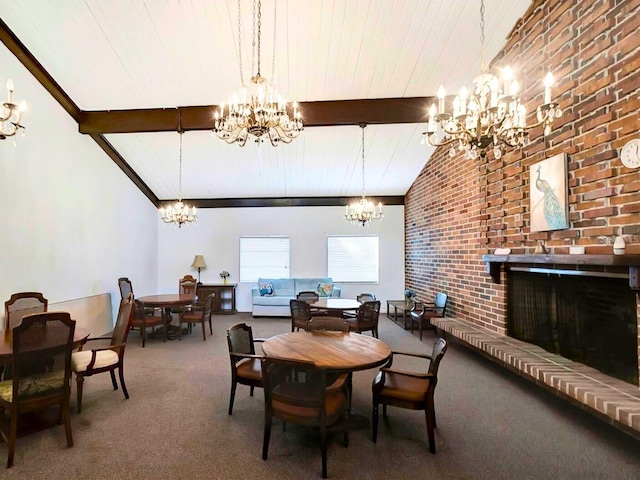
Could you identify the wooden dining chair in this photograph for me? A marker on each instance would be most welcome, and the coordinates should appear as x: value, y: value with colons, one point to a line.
x: 41, y: 373
x: 331, y: 324
x: 300, y: 314
x: 423, y: 312
x: 412, y: 390
x: 298, y: 392
x: 366, y: 319
x: 21, y: 304
x: 199, y: 315
x: 143, y: 317
x: 86, y: 363
x: 245, y: 363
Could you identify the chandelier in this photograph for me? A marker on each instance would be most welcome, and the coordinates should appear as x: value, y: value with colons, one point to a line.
x: 179, y: 213
x: 362, y: 211
x: 258, y: 110
x: 11, y: 114
x: 491, y: 115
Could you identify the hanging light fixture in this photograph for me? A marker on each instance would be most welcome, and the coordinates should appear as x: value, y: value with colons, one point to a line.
x: 258, y: 110
x: 11, y: 115
x: 362, y: 211
x: 179, y: 213
x: 491, y: 115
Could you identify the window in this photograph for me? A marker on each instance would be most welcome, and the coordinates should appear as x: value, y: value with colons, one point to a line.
x: 353, y: 258
x: 266, y: 257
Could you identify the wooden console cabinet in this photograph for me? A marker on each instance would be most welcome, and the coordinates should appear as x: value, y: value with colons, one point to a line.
x: 224, y: 302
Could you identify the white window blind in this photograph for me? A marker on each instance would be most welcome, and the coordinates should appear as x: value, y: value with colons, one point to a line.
x: 266, y: 257
x: 353, y: 258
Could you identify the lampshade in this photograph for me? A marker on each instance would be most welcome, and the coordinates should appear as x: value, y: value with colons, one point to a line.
x: 198, y: 262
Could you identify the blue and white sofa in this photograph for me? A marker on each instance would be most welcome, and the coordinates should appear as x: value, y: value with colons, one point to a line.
x: 276, y: 302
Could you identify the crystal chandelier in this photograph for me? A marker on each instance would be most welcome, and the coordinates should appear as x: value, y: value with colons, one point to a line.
x: 258, y: 110
x: 491, y: 115
x: 11, y: 115
x: 362, y: 211
x: 179, y: 213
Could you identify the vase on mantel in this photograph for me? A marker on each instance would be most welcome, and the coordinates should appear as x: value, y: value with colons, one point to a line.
x: 224, y: 280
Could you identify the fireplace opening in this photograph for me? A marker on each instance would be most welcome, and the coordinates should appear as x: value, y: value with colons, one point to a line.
x: 591, y: 320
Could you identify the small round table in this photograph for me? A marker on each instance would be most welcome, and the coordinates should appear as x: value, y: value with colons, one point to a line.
x: 166, y: 301
x: 80, y: 336
x: 335, y: 306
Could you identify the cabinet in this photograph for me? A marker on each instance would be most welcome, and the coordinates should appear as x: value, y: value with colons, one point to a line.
x: 224, y: 302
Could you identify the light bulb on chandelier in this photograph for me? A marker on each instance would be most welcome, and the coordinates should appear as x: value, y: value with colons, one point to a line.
x: 362, y: 211
x: 258, y: 110
x: 11, y: 115
x: 491, y: 115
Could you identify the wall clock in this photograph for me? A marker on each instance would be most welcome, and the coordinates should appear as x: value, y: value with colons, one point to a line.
x: 630, y: 154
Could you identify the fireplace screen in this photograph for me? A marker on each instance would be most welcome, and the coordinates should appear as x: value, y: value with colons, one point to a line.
x: 592, y: 320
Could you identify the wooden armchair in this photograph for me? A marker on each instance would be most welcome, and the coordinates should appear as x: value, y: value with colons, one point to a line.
x: 86, y: 363
x: 409, y: 390
x: 41, y: 372
x: 422, y: 312
x: 332, y: 324
x: 366, y: 319
x: 300, y: 314
x: 21, y: 304
x: 297, y: 392
x: 199, y: 315
x: 246, y: 368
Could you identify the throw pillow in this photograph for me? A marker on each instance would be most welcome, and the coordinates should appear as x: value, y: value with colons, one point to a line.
x: 325, y: 289
x: 266, y: 289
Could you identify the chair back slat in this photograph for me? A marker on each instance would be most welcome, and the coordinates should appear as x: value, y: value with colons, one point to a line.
x: 439, y: 349
x: 240, y: 339
x: 187, y: 285
x: 125, y: 286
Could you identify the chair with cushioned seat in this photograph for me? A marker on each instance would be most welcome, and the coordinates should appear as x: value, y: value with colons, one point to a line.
x: 298, y: 392
x: 41, y: 373
x: 199, y: 315
x: 143, y: 317
x: 300, y: 314
x: 86, y: 363
x: 366, y: 319
x: 409, y: 390
x: 21, y: 304
x: 245, y: 364
x: 332, y: 324
x: 423, y: 312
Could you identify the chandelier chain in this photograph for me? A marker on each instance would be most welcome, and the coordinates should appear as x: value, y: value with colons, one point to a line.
x: 259, y: 31
x: 180, y: 164
x: 275, y: 29
x: 240, y: 44
x: 482, y: 65
x: 363, y: 125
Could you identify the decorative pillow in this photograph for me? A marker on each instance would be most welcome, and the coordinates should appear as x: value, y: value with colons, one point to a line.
x: 325, y: 289
x: 266, y: 289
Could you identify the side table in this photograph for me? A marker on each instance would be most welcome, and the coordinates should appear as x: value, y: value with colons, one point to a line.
x: 401, y: 306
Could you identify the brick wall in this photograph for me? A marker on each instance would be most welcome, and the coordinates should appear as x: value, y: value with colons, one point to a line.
x: 459, y: 209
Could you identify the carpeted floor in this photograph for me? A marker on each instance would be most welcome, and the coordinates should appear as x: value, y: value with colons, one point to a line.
x: 491, y: 425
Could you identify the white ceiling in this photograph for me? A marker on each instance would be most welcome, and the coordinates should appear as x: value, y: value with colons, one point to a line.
x: 127, y: 54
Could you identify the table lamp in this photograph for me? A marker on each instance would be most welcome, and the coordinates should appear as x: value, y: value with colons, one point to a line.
x: 198, y: 262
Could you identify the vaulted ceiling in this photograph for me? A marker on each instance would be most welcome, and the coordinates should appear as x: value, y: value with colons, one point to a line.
x: 123, y: 68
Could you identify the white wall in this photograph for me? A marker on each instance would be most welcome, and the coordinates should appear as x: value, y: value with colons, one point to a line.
x: 72, y: 222
x: 217, y: 232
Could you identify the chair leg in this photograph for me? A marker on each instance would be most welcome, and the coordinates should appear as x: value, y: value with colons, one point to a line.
x: 323, y: 447
x: 267, y: 436
x: 384, y: 409
x: 124, y: 387
x: 420, y: 328
x: 66, y: 418
x: 232, y: 396
x: 374, y: 422
x: 430, y: 418
x: 113, y: 379
x: 204, y: 332
x: 79, y: 383
x: 13, y: 434
x: 144, y: 335
x: 251, y: 392
x: 210, y: 326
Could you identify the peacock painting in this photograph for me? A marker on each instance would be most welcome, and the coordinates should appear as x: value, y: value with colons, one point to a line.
x: 548, y: 194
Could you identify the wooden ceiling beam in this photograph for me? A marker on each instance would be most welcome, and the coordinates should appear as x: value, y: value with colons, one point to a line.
x: 314, y: 114
x: 285, y: 201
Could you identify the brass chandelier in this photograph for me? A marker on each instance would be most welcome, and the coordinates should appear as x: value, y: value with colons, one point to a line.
x: 178, y: 213
x: 257, y: 110
x: 491, y: 115
x: 11, y: 115
x: 362, y: 211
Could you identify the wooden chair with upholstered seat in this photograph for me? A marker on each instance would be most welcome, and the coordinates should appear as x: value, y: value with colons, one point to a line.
x: 423, y: 312
x: 298, y: 392
x: 199, y: 315
x: 21, y: 304
x: 332, y: 324
x: 143, y: 318
x: 366, y: 319
x: 300, y: 314
x: 86, y: 363
x: 366, y: 297
x: 245, y: 363
x: 41, y: 372
x: 409, y: 390
x: 186, y: 285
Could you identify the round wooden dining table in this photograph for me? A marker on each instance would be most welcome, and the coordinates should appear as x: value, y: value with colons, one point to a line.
x: 342, y: 351
x: 166, y: 302
x: 80, y: 336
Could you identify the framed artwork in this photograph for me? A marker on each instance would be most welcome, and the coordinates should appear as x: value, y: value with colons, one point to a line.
x: 548, y: 194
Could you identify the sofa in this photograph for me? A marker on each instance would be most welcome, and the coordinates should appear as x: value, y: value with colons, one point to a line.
x: 276, y: 302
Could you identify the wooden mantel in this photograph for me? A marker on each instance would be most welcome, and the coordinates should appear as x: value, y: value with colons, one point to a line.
x: 615, y: 266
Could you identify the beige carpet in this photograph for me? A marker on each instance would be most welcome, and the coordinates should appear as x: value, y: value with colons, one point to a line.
x: 491, y: 425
